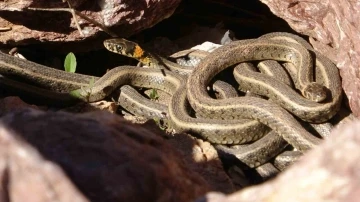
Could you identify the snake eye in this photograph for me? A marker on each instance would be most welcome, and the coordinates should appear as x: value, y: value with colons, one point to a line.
x: 119, y: 48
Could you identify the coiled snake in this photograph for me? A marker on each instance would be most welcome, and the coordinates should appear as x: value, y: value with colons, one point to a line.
x: 230, y: 120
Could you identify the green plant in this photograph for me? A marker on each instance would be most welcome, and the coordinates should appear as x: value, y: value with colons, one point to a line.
x: 70, y: 62
x: 154, y: 95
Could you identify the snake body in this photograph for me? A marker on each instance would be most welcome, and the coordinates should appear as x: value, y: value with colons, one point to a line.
x: 186, y: 122
x: 250, y: 107
x: 103, y: 86
x: 215, y: 131
x: 194, y: 90
x: 42, y: 76
x: 288, y: 98
x: 326, y: 74
x: 301, y: 57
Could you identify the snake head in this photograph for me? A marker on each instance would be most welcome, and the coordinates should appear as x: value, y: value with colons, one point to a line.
x: 315, y: 92
x: 129, y: 49
x: 121, y: 46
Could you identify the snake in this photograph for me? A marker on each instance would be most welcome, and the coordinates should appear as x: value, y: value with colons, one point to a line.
x: 117, y: 46
x: 264, y: 111
x: 103, y: 87
x: 189, y: 124
x: 61, y: 82
x: 303, y: 108
x: 172, y: 82
x: 254, y: 155
x: 42, y: 76
x: 49, y: 78
x: 215, y: 131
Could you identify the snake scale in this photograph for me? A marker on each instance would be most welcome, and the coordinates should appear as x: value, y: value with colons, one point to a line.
x: 229, y: 120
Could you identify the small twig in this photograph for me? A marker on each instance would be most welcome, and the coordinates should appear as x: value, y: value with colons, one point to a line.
x: 103, y: 27
x: 74, y: 16
x: 71, y: 10
x: 4, y: 29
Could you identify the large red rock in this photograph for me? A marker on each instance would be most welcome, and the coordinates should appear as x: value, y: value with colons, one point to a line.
x: 124, y: 17
x: 329, y: 172
x: 58, y: 156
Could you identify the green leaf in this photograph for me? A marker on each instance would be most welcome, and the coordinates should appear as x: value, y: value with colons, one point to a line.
x: 154, y: 95
x: 70, y: 63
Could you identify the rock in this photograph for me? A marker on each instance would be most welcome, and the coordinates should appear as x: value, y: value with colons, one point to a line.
x: 202, y: 157
x: 12, y: 103
x: 326, y: 173
x: 26, y: 175
x: 333, y: 27
x: 106, y: 157
x: 123, y: 17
